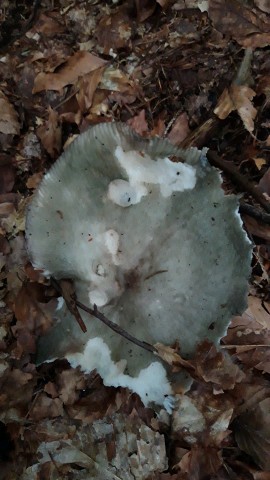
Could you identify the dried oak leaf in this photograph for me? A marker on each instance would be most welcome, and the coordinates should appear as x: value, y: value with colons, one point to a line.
x: 9, y: 124
x: 237, y: 97
x: 87, y: 86
x: 50, y: 134
x: 250, y: 27
x: 76, y: 66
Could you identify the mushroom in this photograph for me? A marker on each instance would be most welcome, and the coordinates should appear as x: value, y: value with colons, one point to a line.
x: 153, y: 242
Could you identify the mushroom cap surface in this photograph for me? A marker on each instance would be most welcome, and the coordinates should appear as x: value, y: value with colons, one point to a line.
x: 172, y: 265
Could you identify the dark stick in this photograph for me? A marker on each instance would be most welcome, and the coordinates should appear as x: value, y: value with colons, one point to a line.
x: 95, y: 312
x: 238, y: 178
x: 254, y: 213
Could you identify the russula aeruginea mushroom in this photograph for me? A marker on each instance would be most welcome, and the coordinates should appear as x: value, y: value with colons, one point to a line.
x: 155, y: 244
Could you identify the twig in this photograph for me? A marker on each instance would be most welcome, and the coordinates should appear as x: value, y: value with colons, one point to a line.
x: 254, y: 213
x: 65, y: 288
x: 238, y: 178
x: 95, y: 312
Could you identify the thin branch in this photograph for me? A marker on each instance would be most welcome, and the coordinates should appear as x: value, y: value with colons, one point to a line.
x: 254, y: 212
x: 97, y: 314
x: 72, y: 306
x: 238, y: 178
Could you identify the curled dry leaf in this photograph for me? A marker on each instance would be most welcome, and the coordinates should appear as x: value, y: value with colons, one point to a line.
x: 87, y: 86
x: 76, y: 66
x: 171, y: 357
x: 9, y: 124
x: 237, y: 97
x: 247, y: 25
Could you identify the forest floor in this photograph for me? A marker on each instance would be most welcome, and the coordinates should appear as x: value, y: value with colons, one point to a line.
x: 198, y: 73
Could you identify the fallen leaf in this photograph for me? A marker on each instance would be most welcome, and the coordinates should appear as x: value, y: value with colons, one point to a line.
x: 50, y: 134
x: 34, y: 180
x: 265, y: 6
x: 9, y: 124
x: 145, y: 8
x: 264, y: 183
x: 115, y: 31
x: 180, y: 129
x: 216, y: 367
x: 259, y: 162
x: 7, y: 175
x: 171, y: 357
x: 237, y: 97
x: 252, y: 433
x: 49, y: 24
x: 139, y: 124
x: 77, y: 65
x: 46, y: 407
x: 70, y: 382
x: 247, y: 25
x: 87, y: 86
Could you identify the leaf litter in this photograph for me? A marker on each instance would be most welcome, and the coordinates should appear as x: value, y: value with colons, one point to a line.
x: 166, y: 68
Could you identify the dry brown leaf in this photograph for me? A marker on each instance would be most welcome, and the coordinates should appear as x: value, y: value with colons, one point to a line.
x: 249, y: 26
x: 200, y: 463
x: 87, y: 86
x: 49, y: 24
x: 237, y: 97
x: 253, y: 433
x: 114, y: 31
x: 139, y: 124
x: 70, y: 382
x: 171, y: 357
x: 76, y: 66
x: 264, y: 183
x: 7, y: 176
x: 145, y: 8
x: 9, y: 124
x: 259, y: 162
x: 34, y: 180
x: 50, y: 134
x: 216, y: 367
x: 46, y: 407
x: 180, y: 129
x: 263, y: 5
